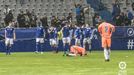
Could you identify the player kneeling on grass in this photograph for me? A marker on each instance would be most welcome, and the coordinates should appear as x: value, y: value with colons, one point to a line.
x: 77, y: 50
x: 106, y: 29
x: 9, y: 37
x: 40, y: 34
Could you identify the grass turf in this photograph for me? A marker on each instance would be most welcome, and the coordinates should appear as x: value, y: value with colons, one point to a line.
x: 55, y: 64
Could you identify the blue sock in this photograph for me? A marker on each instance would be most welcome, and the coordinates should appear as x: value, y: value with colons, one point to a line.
x: 37, y: 46
x: 65, y: 48
x: 41, y: 47
x: 68, y: 48
x: 56, y: 48
x: 7, y: 48
x: 52, y: 47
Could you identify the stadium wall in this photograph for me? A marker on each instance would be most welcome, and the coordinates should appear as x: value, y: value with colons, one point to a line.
x: 123, y: 39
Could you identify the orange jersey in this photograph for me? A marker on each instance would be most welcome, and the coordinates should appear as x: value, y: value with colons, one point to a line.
x: 77, y: 50
x: 106, y: 29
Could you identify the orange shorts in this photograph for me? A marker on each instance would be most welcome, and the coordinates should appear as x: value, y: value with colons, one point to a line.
x: 106, y: 42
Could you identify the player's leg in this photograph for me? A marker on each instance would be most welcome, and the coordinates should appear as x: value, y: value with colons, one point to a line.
x: 84, y: 43
x: 71, y: 54
x: 7, y: 49
x: 55, y: 46
x: 10, y: 46
x: 90, y: 44
x: 51, y: 44
x: 37, y: 45
x: 68, y: 44
x: 108, y: 47
x: 41, y: 45
x: 7, y: 45
x: 104, y: 45
x: 64, y: 46
x: 77, y: 42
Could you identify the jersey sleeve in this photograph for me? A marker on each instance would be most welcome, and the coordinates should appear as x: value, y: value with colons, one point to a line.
x: 100, y: 27
x: 113, y: 28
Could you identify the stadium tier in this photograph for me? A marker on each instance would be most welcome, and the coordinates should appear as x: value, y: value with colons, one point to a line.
x: 41, y: 8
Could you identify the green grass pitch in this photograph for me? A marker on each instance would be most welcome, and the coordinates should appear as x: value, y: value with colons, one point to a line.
x: 29, y: 63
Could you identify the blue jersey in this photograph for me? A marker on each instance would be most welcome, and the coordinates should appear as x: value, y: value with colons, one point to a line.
x: 66, y: 32
x: 9, y: 32
x: 53, y: 34
x: 39, y: 32
x: 78, y: 33
x: 87, y: 32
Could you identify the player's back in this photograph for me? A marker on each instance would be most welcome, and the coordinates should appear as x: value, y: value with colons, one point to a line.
x: 106, y: 29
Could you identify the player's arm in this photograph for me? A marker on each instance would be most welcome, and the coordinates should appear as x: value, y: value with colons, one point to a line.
x: 5, y: 33
x: 91, y: 34
x: 75, y: 33
x: 44, y: 33
x: 112, y: 30
x: 49, y: 30
x: 14, y: 35
x: 99, y: 29
x: 61, y: 32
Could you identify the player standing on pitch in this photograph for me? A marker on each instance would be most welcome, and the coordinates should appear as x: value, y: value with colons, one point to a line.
x: 87, y: 37
x: 78, y: 35
x: 106, y: 29
x: 40, y: 34
x: 53, y: 38
x: 66, y: 38
x: 9, y: 37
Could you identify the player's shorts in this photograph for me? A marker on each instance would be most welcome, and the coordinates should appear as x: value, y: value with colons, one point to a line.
x: 87, y: 40
x: 77, y: 41
x: 53, y: 41
x: 106, y: 42
x: 40, y: 40
x: 66, y: 40
x: 9, y: 41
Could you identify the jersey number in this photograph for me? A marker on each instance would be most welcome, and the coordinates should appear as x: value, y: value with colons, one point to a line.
x: 106, y: 29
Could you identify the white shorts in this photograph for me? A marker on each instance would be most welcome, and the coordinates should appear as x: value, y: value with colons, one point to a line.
x: 9, y: 41
x: 40, y: 40
x: 88, y: 40
x: 77, y: 41
x: 53, y: 41
x: 66, y: 40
